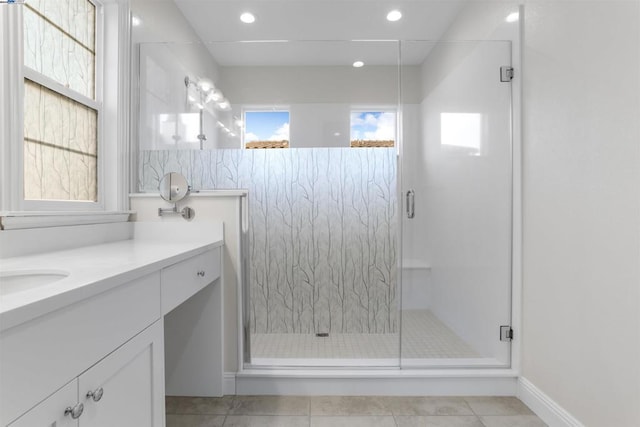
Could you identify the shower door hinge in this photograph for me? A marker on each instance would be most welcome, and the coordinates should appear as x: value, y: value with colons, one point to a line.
x: 506, y: 333
x: 506, y: 73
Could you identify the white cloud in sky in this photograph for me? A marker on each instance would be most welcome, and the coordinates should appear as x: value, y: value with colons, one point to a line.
x: 385, y: 128
x: 282, y: 133
x: 370, y: 127
x: 250, y: 137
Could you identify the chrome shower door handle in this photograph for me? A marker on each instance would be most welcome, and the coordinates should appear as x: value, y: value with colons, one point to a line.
x: 411, y: 204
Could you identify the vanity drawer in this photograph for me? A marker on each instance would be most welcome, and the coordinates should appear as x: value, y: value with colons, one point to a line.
x: 40, y: 355
x: 182, y: 280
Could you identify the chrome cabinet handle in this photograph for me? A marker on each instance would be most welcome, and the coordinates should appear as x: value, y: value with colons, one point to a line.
x: 411, y: 204
x: 96, y: 395
x: 201, y: 273
x: 75, y: 412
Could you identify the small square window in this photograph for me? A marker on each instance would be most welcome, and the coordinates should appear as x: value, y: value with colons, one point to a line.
x: 373, y: 128
x: 266, y: 129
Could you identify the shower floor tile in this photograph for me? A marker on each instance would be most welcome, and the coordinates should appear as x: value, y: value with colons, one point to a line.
x: 425, y: 337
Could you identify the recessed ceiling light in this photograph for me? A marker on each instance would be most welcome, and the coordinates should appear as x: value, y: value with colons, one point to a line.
x: 513, y: 17
x: 394, y: 15
x: 358, y: 64
x: 248, y: 18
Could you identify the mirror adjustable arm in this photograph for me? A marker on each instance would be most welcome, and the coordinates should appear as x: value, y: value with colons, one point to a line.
x: 186, y: 212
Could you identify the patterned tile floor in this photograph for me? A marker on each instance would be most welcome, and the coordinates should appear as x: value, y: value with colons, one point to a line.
x: 349, y: 411
x: 424, y: 337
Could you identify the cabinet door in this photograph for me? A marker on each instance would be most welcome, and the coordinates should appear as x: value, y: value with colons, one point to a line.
x: 126, y: 388
x: 51, y: 411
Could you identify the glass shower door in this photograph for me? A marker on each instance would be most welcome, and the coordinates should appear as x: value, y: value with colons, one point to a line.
x: 456, y: 175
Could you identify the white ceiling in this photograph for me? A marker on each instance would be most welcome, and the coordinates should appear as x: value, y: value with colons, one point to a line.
x: 216, y: 21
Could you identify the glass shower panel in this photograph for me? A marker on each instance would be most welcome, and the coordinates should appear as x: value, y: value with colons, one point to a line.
x: 314, y: 140
x: 456, y: 158
x: 323, y: 232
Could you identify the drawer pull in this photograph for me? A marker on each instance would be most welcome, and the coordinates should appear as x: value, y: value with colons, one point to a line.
x: 201, y: 273
x: 96, y: 395
x: 75, y: 412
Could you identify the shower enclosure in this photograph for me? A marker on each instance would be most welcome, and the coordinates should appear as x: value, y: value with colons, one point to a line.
x: 380, y: 215
x: 457, y: 158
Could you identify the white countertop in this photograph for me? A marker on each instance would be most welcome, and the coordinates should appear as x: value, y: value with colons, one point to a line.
x: 96, y: 269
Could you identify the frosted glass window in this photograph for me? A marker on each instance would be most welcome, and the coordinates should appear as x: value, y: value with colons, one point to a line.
x: 60, y: 147
x: 59, y: 42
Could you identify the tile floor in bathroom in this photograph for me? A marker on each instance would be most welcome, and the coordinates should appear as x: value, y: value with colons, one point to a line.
x: 351, y: 411
x: 424, y: 337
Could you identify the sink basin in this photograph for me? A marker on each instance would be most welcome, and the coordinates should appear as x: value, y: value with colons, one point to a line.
x: 23, y: 280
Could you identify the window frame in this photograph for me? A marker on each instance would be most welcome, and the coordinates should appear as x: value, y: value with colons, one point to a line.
x: 112, y: 99
x: 95, y: 104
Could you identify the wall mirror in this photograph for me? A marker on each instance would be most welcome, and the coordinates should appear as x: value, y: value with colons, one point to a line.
x: 275, y: 94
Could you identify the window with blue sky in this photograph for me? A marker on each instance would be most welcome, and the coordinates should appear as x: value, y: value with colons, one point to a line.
x: 373, y: 128
x: 266, y: 129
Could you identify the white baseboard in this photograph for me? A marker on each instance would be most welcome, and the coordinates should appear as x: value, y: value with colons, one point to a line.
x: 545, y: 407
x: 372, y: 383
x: 229, y: 383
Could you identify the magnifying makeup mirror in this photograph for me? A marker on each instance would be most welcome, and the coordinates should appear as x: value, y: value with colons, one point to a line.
x: 173, y: 188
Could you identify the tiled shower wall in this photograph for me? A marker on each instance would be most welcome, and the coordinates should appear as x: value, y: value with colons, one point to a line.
x: 323, y: 231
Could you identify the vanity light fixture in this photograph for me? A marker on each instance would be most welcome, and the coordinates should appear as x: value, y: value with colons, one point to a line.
x: 358, y: 64
x: 215, y: 95
x: 248, y: 18
x: 394, y: 15
x: 205, y: 84
x: 206, y: 92
x: 202, y: 92
x: 513, y: 17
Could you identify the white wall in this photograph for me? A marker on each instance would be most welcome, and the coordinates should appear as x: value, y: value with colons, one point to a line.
x: 582, y: 207
x: 298, y: 85
x: 319, y: 99
x: 581, y: 200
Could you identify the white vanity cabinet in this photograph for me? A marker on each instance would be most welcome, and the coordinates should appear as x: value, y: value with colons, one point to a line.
x: 72, y: 344
x: 126, y: 387
x: 120, y: 390
x: 51, y: 412
x: 99, y: 359
x: 184, y: 279
x: 192, y: 305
